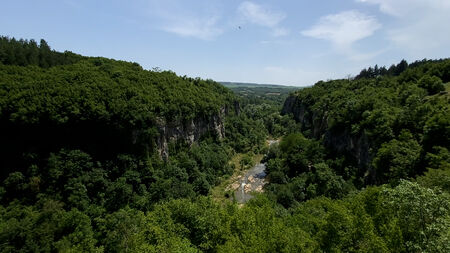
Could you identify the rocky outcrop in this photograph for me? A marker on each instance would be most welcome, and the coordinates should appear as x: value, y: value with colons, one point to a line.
x: 345, y: 143
x: 189, y: 131
x: 304, y: 115
x: 340, y: 140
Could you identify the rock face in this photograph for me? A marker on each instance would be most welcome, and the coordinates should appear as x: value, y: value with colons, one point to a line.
x: 340, y: 140
x: 189, y: 131
x: 356, y: 145
x: 303, y: 114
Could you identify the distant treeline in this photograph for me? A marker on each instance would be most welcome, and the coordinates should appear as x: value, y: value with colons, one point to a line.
x: 396, y: 70
x: 29, y: 52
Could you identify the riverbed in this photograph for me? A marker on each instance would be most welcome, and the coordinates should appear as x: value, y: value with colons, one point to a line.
x: 253, y: 181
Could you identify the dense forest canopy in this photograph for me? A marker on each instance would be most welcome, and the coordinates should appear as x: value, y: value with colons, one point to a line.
x: 387, y: 126
x: 82, y: 131
x: 95, y: 103
x: 362, y: 165
x: 260, y: 115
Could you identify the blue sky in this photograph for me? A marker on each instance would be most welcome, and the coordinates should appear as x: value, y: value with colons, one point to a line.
x: 295, y: 42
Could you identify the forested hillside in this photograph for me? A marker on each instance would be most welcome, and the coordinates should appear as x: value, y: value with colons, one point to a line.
x: 385, y: 127
x: 100, y: 155
x: 89, y: 136
x: 382, y: 128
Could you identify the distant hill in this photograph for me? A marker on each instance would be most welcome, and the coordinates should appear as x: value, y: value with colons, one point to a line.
x: 255, y: 85
x: 276, y: 93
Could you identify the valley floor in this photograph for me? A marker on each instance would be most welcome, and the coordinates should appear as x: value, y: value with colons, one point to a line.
x: 244, y: 183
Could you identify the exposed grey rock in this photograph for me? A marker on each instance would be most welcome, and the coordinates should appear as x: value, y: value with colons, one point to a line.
x: 189, y: 131
x: 342, y: 140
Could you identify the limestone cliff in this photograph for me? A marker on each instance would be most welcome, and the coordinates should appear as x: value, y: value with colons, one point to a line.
x: 340, y: 140
x: 189, y: 131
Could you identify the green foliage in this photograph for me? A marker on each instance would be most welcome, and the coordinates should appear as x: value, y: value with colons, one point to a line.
x: 423, y: 217
x: 246, y: 161
x: 260, y: 106
x: 96, y: 91
x: 80, y: 171
x: 300, y: 153
x: 399, y: 156
x: 101, y: 106
x: 438, y: 173
x: 432, y: 84
x: 245, y: 134
x: 437, y: 128
x: 362, y: 120
x: 85, y: 132
x: 24, y: 52
x: 297, y: 172
x: 378, y: 219
x: 257, y: 93
x: 436, y: 178
x: 46, y: 228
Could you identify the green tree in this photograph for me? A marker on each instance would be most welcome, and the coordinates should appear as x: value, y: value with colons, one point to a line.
x: 397, y: 159
x: 432, y: 84
x: 423, y: 216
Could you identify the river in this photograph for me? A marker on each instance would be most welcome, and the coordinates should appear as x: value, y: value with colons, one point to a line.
x: 253, y: 181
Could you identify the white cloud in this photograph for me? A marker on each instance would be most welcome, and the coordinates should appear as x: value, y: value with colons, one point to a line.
x: 388, y: 7
x: 263, y: 16
x: 420, y: 28
x: 202, y: 21
x: 259, y: 15
x: 201, y: 28
x: 344, y: 29
x: 402, y: 8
